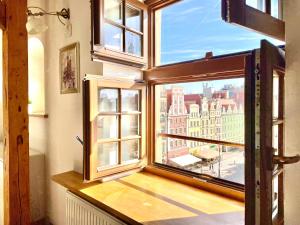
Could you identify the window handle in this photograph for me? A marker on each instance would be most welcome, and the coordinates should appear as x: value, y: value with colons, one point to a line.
x: 79, y: 140
x: 286, y: 160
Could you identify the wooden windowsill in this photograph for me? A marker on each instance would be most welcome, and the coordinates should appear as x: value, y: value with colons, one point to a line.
x: 145, y: 198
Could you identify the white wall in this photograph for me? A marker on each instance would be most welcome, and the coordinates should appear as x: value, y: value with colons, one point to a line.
x: 292, y: 181
x: 64, y: 153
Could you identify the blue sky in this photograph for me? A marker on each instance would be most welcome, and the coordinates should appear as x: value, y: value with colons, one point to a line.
x: 191, y: 28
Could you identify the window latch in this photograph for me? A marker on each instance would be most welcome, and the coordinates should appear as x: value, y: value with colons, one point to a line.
x: 79, y: 140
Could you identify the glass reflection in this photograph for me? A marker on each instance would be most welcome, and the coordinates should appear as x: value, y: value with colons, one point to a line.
x: 275, y: 139
x: 130, y: 125
x: 275, y: 194
x: 113, y: 10
x: 108, y: 154
x: 113, y: 37
x: 130, y: 150
x: 133, y: 43
x: 107, y: 127
x: 275, y: 97
x: 133, y: 18
x: 257, y: 4
x: 130, y: 100
x: 108, y: 100
x: 275, y: 8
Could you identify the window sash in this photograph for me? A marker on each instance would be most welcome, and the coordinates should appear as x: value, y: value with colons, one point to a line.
x: 121, y: 56
x: 215, y: 68
x: 238, y: 12
x: 92, y: 170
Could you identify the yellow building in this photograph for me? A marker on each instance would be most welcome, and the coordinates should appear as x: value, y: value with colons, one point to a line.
x: 194, y: 126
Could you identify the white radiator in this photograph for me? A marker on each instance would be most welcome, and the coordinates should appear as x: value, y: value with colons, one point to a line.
x: 81, y: 212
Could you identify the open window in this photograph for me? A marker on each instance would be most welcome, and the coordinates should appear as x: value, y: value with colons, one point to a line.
x: 263, y: 16
x: 114, y: 126
x: 197, y: 119
x: 119, y: 31
x: 265, y: 136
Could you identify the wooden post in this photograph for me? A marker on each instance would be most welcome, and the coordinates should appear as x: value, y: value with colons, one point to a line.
x: 2, y: 15
x: 15, y: 114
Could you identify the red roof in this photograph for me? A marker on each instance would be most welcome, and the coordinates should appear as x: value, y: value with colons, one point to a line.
x: 225, y: 103
x: 193, y: 99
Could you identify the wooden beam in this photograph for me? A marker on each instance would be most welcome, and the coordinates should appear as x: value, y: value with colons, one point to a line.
x: 2, y: 15
x: 238, y: 12
x: 156, y: 4
x: 204, y: 69
x: 15, y: 114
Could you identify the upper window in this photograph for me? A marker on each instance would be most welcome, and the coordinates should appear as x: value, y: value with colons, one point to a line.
x: 272, y: 7
x: 187, y: 30
x: 119, y: 31
x: 263, y: 16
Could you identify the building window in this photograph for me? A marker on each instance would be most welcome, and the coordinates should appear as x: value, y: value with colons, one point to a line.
x: 119, y: 31
x: 113, y: 124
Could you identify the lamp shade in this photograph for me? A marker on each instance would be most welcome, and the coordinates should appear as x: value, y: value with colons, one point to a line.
x: 35, y: 25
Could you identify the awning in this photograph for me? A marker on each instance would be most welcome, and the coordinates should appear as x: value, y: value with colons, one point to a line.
x: 185, y: 160
x: 206, y: 154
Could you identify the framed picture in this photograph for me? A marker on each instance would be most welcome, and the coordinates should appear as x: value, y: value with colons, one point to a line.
x: 69, y: 69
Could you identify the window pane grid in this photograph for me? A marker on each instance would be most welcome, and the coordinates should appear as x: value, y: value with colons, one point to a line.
x: 112, y: 23
x: 127, y: 142
x: 126, y: 26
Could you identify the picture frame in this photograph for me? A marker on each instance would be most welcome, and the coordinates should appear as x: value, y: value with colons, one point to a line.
x: 69, y: 69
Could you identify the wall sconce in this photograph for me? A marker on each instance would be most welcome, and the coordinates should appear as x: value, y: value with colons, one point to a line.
x: 35, y: 25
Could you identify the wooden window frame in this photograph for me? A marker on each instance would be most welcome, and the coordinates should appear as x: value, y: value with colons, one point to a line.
x: 90, y: 87
x: 101, y: 53
x: 153, y: 6
x: 225, y: 67
x: 238, y: 12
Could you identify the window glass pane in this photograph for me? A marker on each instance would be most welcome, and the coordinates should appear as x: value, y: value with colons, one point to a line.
x: 107, y: 127
x: 223, y: 162
x: 133, y: 18
x: 207, y: 109
x: 108, y: 100
x: 113, y: 37
x: 130, y: 125
x: 257, y: 4
x: 275, y: 139
x: 275, y: 97
x: 130, y: 150
x: 275, y: 8
x: 180, y: 37
x: 130, y: 100
x: 133, y: 43
x: 107, y: 154
x: 275, y: 194
x: 113, y: 10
